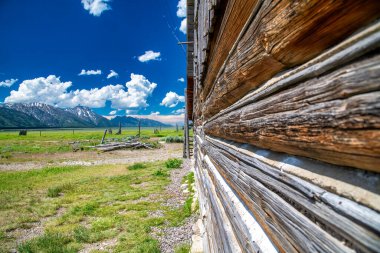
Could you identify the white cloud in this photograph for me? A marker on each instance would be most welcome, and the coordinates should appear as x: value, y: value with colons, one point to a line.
x: 128, y: 112
x: 182, y: 80
x: 90, y: 72
x: 113, y: 112
x: 181, y: 9
x: 155, y: 113
x: 51, y: 90
x: 112, y: 74
x: 172, y: 99
x: 183, y: 26
x: 168, y: 119
x: 179, y: 111
x: 8, y: 82
x: 149, y: 56
x: 96, y: 7
x: 139, y: 88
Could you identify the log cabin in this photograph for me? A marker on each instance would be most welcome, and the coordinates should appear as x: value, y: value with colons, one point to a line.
x: 285, y: 100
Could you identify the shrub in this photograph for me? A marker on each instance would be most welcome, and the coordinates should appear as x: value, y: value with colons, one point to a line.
x: 173, y: 139
x: 173, y: 163
x: 137, y: 166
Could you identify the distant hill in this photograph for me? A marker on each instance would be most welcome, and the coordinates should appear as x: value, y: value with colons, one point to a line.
x: 39, y: 115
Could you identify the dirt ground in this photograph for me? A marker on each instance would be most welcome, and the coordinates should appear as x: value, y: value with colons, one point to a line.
x: 87, y: 158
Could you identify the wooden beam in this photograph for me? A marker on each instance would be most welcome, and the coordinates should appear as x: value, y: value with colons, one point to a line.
x: 334, y: 118
x: 284, y: 34
x: 295, y: 220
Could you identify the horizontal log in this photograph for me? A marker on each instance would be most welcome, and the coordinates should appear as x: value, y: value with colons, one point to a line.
x: 334, y: 118
x: 250, y: 234
x: 217, y: 222
x: 282, y: 35
x: 345, y: 52
x: 361, y: 188
x: 290, y: 210
x: 346, y: 207
x: 235, y: 17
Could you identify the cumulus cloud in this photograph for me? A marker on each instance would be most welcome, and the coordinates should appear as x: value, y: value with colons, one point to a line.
x: 90, y: 72
x: 113, y: 112
x: 112, y: 74
x: 181, y: 13
x: 8, y: 82
x: 172, y: 99
x: 179, y: 111
x: 150, y: 56
x: 183, y: 26
x: 139, y: 88
x: 182, y: 80
x: 96, y: 7
x: 51, y: 90
x: 168, y: 119
x: 181, y: 9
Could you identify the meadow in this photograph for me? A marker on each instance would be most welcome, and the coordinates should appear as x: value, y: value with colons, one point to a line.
x: 79, y: 206
x: 59, y: 140
x: 91, y: 208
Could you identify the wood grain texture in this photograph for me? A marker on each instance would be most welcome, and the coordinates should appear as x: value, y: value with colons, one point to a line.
x: 250, y: 235
x: 283, y: 34
x: 235, y: 17
x: 215, y: 220
x: 287, y: 210
x: 334, y: 118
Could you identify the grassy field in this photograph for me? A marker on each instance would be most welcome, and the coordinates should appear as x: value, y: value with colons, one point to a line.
x: 79, y: 206
x: 52, y: 141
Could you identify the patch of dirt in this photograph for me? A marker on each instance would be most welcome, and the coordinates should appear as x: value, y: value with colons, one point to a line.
x: 88, y: 158
x: 106, y: 245
x: 170, y: 237
x: 36, y: 228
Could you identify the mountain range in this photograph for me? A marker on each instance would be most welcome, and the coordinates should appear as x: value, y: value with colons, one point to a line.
x: 40, y: 115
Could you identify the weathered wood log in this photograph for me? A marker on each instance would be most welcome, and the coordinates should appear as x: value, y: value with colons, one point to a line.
x: 348, y: 208
x: 246, y: 229
x: 225, y: 238
x: 334, y: 118
x: 280, y: 37
x: 235, y: 17
x: 116, y: 146
x: 119, y: 131
x: 362, y: 187
x: 286, y: 207
x: 340, y: 55
x: 104, y: 136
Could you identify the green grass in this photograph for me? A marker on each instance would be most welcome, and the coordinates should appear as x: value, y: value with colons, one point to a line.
x: 188, y: 206
x: 182, y: 248
x: 173, y: 163
x: 172, y: 139
x: 137, y: 166
x: 52, y: 141
x: 94, y: 203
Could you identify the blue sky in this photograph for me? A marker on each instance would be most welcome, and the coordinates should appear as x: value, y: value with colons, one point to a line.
x: 53, y: 51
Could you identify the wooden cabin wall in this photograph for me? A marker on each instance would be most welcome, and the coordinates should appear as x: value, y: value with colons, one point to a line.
x: 286, y: 113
